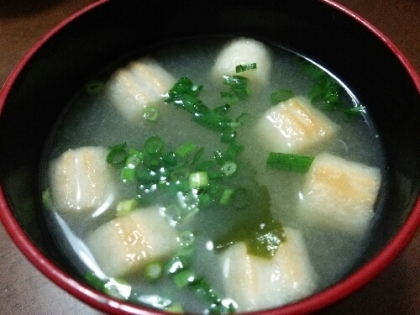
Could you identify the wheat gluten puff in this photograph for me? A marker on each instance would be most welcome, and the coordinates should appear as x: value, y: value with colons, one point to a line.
x: 339, y: 194
x: 295, y: 126
x: 81, y: 181
x: 128, y: 243
x: 257, y: 283
x: 243, y: 51
x: 141, y: 83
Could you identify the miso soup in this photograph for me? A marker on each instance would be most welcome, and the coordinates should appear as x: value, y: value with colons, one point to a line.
x: 172, y: 182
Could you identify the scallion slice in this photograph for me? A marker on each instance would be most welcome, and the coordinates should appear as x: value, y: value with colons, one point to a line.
x: 154, y: 145
x: 238, y: 88
x: 289, y: 162
x: 184, y: 150
x: 183, y: 278
x: 226, y: 196
x: 353, y: 112
x: 151, y: 113
x: 198, y: 180
x: 126, y: 206
x: 117, y: 155
x: 242, y: 68
x: 233, y: 150
x: 229, y: 168
x: 228, y: 136
x: 153, y: 271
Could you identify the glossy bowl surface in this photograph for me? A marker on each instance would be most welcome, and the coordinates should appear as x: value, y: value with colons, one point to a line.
x: 52, y: 71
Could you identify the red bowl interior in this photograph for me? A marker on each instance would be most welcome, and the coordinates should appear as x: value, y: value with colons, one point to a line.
x: 90, y: 28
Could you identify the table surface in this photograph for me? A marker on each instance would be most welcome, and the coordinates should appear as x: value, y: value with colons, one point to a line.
x: 24, y: 290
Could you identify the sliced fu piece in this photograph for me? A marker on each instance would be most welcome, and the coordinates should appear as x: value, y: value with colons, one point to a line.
x: 140, y: 84
x: 243, y: 51
x: 295, y: 126
x: 126, y: 244
x: 339, y: 194
x: 257, y: 283
x: 81, y: 181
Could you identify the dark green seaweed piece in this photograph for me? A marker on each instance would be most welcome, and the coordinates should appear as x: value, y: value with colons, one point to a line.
x: 253, y: 224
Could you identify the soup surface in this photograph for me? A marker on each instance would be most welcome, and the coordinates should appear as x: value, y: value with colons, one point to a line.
x: 230, y: 187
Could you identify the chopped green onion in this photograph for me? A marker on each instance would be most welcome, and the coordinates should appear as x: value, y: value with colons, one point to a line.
x: 183, y: 278
x: 179, y: 174
x: 154, y: 145
x: 146, y: 175
x: 310, y: 69
x: 326, y: 91
x: 206, y: 165
x: 228, y: 136
x: 353, y: 112
x: 226, y: 196
x: 117, y: 155
x: 177, y: 264
x: 229, y: 97
x: 175, y: 308
x: 153, y: 161
x: 128, y: 174
x: 184, y: 94
x: 186, y: 239
x: 178, y: 268
x: 235, y: 80
x: 117, y: 288
x: 217, y: 305
x: 219, y: 157
x: 222, y: 109
x: 183, y: 86
x: 281, y: 96
x: 289, y: 162
x: 134, y: 158
x: 186, y: 149
x: 95, y: 281
x: 223, y: 307
x: 212, y: 120
x: 233, y: 150
x: 238, y: 88
x: 242, y: 68
x: 151, y: 113
x: 170, y: 158
x: 126, y: 206
x: 153, y: 271
x: 198, y: 180
x: 197, y: 155
x: 229, y: 168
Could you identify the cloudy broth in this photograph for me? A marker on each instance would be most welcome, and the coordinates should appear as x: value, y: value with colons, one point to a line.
x: 91, y: 120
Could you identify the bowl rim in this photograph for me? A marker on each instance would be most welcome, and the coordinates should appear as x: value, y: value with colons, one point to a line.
x: 110, y: 305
